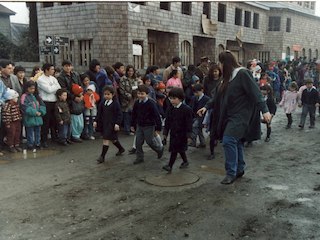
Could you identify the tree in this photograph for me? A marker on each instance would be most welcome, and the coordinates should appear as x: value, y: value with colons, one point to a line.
x: 5, y: 47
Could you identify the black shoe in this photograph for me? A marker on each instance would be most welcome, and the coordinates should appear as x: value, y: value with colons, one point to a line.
x: 45, y: 145
x: 248, y: 144
x: 39, y: 147
x: 167, y: 168
x: 211, y: 157
x: 311, y: 126
x: 69, y: 141
x: 137, y: 161
x: 100, y: 160
x: 160, y: 154
x: 240, y: 174
x: 132, y: 151
x: 184, y: 165
x: 30, y: 147
x: 228, y: 179
x: 85, y: 137
x: 19, y: 149
x: 201, y: 146
x: 267, y: 139
x: 76, y: 140
x: 63, y: 143
x: 301, y: 126
x: 12, y: 150
x: 119, y: 153
x: 288, y: 126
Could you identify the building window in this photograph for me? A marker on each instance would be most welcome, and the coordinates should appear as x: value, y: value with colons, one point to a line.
x: 207, y: 9
x: 85, y: 52
x: 264, y: 56
x: 238, y: 17
x: 288, y: 27
x: 65, y: 3
x: 165, y: 5
x: 312, y: 5
x: 300, y: 3
x: 274, y: 24
x: 316, y: 54
x: 140, y: 3
x: 247, y: 19
x: 186, y: 8
x: 303, y: 52
x: 255, y: 21
x: 47, y: 4
x: 306, y: 4
x: 222, y: 11
x: 185, y: 53
x: 138, y: 55
x: 152, y: 54
x: 310, y: 54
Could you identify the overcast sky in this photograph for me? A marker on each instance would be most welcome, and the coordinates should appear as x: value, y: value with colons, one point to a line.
x: 22, y: 12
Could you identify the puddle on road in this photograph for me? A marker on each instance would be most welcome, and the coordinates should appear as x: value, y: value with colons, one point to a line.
x: 33, y: 155
x: 218, y: 171
x: 4, y: 162
x: 277, y: 187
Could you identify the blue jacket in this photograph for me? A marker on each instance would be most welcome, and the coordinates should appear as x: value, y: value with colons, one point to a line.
x: 30, y: 106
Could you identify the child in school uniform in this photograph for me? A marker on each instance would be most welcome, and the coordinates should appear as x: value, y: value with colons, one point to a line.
x: 309, y: 102
x: 266, y: 91
x: 179, y: 123
x: 146, y: 122
x: 62, y: 115
x: 289, y: 102
x: 11, y: 118
x: 199, y: 100
x: 108, y: 122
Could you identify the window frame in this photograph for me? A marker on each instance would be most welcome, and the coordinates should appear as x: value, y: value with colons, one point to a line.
x: 272, y: 27
x: 186, y: 8
x: 247, y: 19
x: 222, y: 12
x: 238, y: 20
x: 255, y: 22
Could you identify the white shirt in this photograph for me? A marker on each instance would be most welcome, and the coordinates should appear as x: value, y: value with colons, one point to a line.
x: 108, y: 102
x: 48, y: 87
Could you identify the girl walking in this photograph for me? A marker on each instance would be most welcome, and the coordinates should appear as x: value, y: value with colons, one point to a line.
x: 108, y: 122
x: 289, y: 102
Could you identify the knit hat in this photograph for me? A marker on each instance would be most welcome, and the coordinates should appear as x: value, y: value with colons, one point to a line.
x: 76, y: 89
x: 91, y: 87
x: 11, y: 94
x: 161, y: 85
x: 194, y: 79
x: 308, y: 80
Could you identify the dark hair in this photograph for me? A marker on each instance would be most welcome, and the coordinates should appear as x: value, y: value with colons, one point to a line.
x: 198, y: 87
x: 117, y: 65
x: 153, y: 68
x: 109, y: 89
x: 4, y: 63
x: 294, y: 85
x: 35, y: 68
x: 66, y: 62
x: 174, y: 72
x: 18, y: 69
x: 229, y: 64
x: 134, y: 71
x: 192, y: 68
x: 211, y: 70
x: 176, y: 93
x: 176, y: 60
x: 31, y: 83
x: 84, y: 76
x: 267, y: 88
x: 145, y: 78
x: 93, y: 64
x: 57, y: 70
x: 110, y: 70
x: 47, y: 66
x: 143, y: 88
x: 60, y: 91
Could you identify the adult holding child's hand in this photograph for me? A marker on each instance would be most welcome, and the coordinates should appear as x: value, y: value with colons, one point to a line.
x: 237, y: 103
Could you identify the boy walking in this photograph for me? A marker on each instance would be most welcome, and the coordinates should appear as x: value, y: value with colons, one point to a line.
x: 309, y: 102
x: 199, y: 100
x: 146, y: 122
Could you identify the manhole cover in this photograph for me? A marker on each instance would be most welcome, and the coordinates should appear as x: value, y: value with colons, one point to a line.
x: 174, y: 179
x: 32, y: 155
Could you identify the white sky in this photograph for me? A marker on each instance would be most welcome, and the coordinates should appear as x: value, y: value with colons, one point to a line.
x: 22, y: 12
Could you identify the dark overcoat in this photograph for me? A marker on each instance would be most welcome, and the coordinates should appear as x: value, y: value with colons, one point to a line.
x: 237, y: 111
x: 108, y: 116
x: 179, y: 124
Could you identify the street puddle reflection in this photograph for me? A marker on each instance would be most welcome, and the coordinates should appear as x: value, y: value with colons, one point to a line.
x: 33, y: 155
x: 217, y: 171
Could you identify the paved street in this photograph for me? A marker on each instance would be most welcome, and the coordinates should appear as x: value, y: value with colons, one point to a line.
x: 66, y: 195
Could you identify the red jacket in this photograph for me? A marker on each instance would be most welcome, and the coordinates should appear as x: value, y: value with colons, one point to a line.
x: 90, y: 102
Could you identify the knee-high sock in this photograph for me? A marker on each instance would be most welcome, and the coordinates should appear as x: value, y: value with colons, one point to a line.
x: 118, y: 145
x: 173, y: 158
x: 104, y: 150
x: 184, y: 156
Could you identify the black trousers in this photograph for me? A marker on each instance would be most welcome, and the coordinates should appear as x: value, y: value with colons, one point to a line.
x: 49, y: 123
